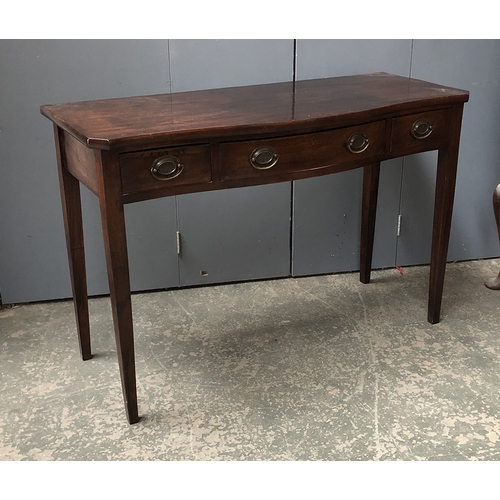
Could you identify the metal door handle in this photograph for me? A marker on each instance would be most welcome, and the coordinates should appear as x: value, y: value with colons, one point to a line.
x: 263, y: 158
x: 166, y: 167
x: 421, y: 129
x: 357, y: 142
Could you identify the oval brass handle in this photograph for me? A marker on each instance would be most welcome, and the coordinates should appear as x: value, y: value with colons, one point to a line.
x: 421, y: 129
x: 357, y: 142
x: 264, y: 157
x: 166, y: 167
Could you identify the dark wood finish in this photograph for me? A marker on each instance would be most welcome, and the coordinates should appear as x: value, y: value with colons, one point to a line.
x: 306, y: 152
x: 79, y: 161
x: 73, y: 225
x: 371, y: 176
x: 136, y: 168
x: 403, y: 140
x: 443, y: 208
x: 494, y: 283
x: 274, y: 109
x: 115, y: 245
x: 110, y: 145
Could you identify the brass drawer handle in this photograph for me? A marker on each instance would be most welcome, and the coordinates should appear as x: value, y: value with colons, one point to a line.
x: 421, y: 129
x: 357, y: 143
x: 264, y: 157
x: 166, y: 167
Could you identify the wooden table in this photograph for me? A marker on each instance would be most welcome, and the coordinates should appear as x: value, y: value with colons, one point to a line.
x: 138, y: 148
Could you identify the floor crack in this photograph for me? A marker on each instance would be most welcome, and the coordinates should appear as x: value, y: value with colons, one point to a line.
x: 373, y: 362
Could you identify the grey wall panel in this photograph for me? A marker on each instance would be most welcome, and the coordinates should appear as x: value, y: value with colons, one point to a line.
x: 151, y: 241
x: 152, y: 244
x: 322, y: 58
x: 417, y: 203
x: 327, y: 210
x: 386, y: 226
x: 326, y: 223
x: 33, y: 262
x: 204, y: 64
x: 326, y: 229
x: 244, y: 236
x: 472, y: 65
x: 236, y: 234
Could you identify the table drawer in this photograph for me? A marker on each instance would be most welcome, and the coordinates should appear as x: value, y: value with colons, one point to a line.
x: 159, y: 168
x: 284, y: 155
x: 420, y: 130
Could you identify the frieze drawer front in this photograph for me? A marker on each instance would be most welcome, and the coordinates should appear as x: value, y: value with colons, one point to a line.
x: 158, y: 168
x: 419, y: 131
x: 283, y: 155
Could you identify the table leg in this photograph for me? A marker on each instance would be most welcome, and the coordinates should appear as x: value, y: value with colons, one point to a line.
x: 371, y: 177
x: 443, y: 209
x: 494, y: 283
x: 115, y: 243
x: 72, y: 214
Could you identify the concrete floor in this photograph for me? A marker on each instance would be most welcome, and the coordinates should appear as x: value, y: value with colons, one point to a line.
x: 319, y: 368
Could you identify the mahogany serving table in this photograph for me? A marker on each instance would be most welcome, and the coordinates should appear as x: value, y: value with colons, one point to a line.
x: 137, y: 148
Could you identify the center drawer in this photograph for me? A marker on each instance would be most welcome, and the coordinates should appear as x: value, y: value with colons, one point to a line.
x: 283, y: 155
